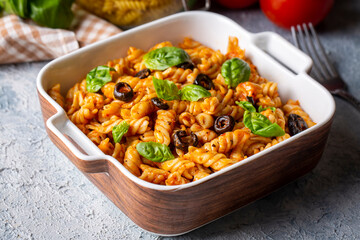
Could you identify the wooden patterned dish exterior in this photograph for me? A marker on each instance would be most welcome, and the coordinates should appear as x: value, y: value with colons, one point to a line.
x: 177, y: 212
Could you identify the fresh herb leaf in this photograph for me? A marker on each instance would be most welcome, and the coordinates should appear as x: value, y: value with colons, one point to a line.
x: 165, y: 57
x: 247, y: 106
x: 193, y: 93
x: 261, y: 125
x: 52, y: 13
x: 118, y: 131
x: 155, y: 152
x: 48, y: 13
x: 261, y: 108
x: 165, y: 89
x: 97, y: 78
x: 18, y: 7
x: 235, y: 71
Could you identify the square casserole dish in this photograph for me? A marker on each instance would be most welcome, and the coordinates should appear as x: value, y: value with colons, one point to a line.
x: 174, y: 210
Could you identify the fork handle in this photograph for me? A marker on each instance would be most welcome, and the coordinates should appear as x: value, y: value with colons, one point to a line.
x: 348, y: 97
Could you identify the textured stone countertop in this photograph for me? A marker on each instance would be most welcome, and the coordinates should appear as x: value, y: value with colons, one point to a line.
x: 43, y: 196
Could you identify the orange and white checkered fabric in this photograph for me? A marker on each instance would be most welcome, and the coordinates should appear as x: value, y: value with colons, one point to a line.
x: 23, y: 41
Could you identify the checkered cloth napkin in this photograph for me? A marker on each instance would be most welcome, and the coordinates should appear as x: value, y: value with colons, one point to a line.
x: 23, y: 41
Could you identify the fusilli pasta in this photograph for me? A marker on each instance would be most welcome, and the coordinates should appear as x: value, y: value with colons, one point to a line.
x: 187, y: 128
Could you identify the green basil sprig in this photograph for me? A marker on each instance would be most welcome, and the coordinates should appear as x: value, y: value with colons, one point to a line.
x: 261, y: 108
x: 155, y: 152
x: 119, y: 130
x: 261, y: 125
x: 247, y: 106
x: 193, y: 93
x: 18, y: 7
x: 235, y: 71
x: 97, y: 78
x: 165, y: 57
x: 48, y: 13
x: 167, y: 90
x: 52, y: 13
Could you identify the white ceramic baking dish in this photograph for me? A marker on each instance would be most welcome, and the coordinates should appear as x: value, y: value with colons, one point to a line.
x: 173, y: 210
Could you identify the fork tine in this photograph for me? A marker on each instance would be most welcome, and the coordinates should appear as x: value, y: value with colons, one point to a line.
x: 293, y: 32
x: 304, y: 46
x: 314, y: 54
x: 328, y: 64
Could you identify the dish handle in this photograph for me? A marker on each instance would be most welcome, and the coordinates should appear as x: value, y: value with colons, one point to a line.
x: 283, y: 51
x: 75, y: 145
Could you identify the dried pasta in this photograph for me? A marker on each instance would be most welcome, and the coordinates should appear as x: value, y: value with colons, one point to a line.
x: 130, y: 12
x: 165, y: 122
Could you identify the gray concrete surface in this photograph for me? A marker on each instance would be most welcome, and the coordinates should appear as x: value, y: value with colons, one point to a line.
x: 43, y: 196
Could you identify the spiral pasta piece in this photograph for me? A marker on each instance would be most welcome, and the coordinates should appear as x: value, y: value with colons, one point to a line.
x: 142, y: 109
x: 132, y: 160
x: 106, y: 146
x: 164, y: 125
x: 55, y: 94
x: 177, y: 165
x: 175, y: 178
x: 153, y: 175
x: 294, y: 107
x: 214, y: 160
x: 187, y: 119
x: 119, y: 152
x: 227, y: 141
x: 96, y: 137
x: 148, y: 137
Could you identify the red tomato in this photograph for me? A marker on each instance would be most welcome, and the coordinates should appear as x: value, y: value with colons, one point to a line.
x: 287, y: 13
x: 236, y: 3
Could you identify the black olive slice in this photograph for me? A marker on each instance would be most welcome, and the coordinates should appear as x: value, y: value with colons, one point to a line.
x: 204, y: 81
x: 123, y: 92
x: 182, y: 141
x: 296, y: 124
x: 186, y: 65
x: 143, y: 73
x: 251, y: 100
x: 224, y: 124
x: 160, y: 103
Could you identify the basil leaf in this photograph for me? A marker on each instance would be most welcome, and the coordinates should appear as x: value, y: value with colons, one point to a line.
x: 235, y: 71
x: 247, y: 106
x: 261, y: 108
x: 155, y: 152
x: 261, y: 125
x: 193, y: 93
x: 165, y: 57
x: 165, y: 89
x: 273, y: 130
x: 118, y: 131
x: 97, y: 78
x: 52, y: 13
x: 18, y: 7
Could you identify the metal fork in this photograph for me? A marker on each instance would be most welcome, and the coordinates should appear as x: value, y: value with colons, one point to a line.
x: 306, y: 39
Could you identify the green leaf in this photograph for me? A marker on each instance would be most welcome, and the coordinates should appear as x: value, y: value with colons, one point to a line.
x: 118, y: 131
x: 261, y: 108
x: 18, y: 7
x: 52, y: 13
x: 247, y: 106
x: 235, y: 71
x: 155, y: 152
x: 193, y: 93
x: 165, y: 57
x: 165, y: 89
x: 261, y: 125
x: 273, y: 130
x: 97, y: 78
